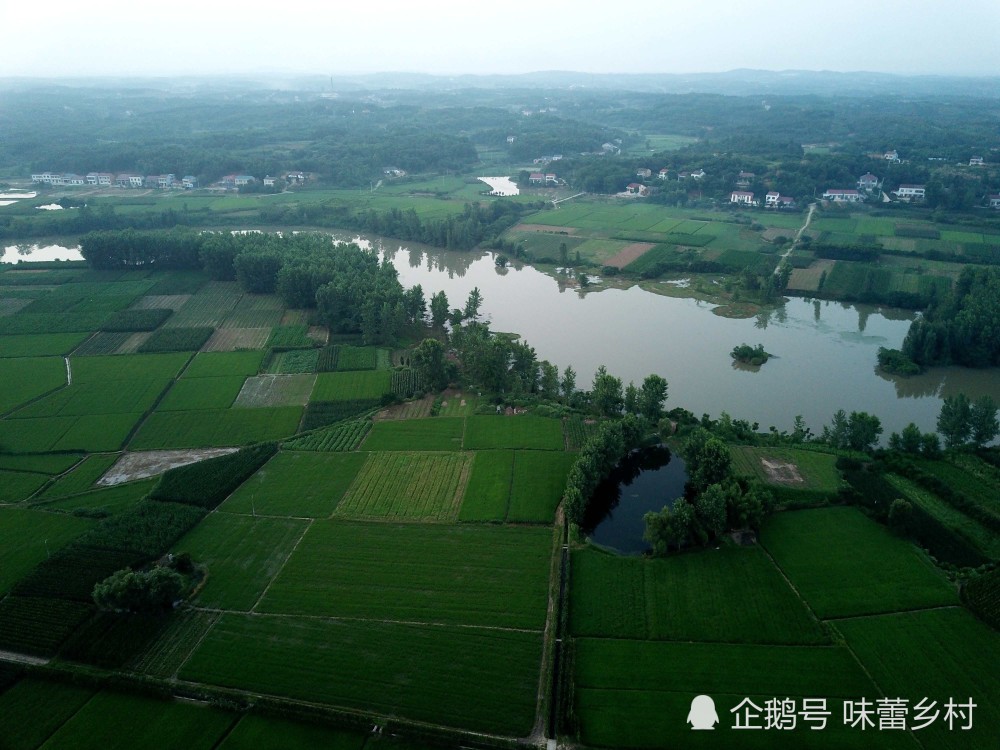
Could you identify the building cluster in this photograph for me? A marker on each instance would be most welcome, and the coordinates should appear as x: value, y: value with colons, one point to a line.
x: 106, y: 179
x: 539, y: 178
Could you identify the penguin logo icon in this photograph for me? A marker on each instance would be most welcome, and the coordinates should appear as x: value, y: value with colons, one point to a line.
x: 702, y: 714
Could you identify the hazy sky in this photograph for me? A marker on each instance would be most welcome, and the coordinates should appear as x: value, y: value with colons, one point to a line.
x: 152, y: 37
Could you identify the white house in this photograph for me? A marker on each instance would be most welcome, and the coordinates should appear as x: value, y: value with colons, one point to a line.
x: 243, y: 179
x: 976, y: 161
x: 189, y: 182
x: 551, y: 179
x: 994, y: 201
x: 892, y: 156
x: 910, y: 192
x: 843, y: 196
x: 635, y: 188
x: 644, y: 173
x: 742, y: 197
x: 663, y: 174
x: 268, y: 181
x: 166, y: 181
x: 771, y: 199
x: 697, y: 174
x: 867, y: 182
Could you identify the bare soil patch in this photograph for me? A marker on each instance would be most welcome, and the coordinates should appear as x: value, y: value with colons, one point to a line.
x: 233, y: 339
x: 275, y: 390
x: 319, y: 334
x: 410, y: 410
x: 132, y: 343
x: 782, y: 472
x: 545, y: 228
x: 629, y: 253
x: 143, y: 464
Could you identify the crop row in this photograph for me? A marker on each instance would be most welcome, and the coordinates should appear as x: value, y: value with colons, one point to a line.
x: 417, y: 486
x: 342, y: 437
x: 322, y: 413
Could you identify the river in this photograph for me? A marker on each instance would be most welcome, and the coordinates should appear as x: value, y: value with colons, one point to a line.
x: 824, y: 352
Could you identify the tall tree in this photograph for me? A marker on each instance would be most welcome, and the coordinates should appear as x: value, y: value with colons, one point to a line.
x: 983, y: 423
x: 606, y: 394
x: 472, y: 304
x: 568, y: 383
x: 652, y: 396
x: 430, y: 363
x: 439, y: 309
x: 953, y: 420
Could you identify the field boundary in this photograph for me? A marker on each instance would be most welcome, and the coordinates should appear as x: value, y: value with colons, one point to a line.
x: 253, y: 609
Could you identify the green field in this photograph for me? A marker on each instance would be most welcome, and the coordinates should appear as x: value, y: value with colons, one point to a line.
x: 128, y: 367
x: 34, y: 709
x: 843, y: 563
x: 210, y: 428
x: 82, y: 477
x: 110, y: 500
x: 487, y: 494
x: 732, y: 595
x: 40, y: 345
x: 787, y: 467
x: 537, y: 485
x: 242, y: 555
x: 223, y: 364
x: 487, y: 432
x: 637, y: 693
x: 432, y: 434
x: 469, y: 575
x: 140, y: 723
x: 275, y: 390
x: 480, y: 679
x: 407, y: 486
x: 27, y: 378
x: 937, y: 654
x: 18, y: 485
x: 346, y: 436
x: 189, y: 394
x: 108, y: 397
x: 338, y: 386
x: 304, y: 485
x: 29, y: 536
x: 256, y: 732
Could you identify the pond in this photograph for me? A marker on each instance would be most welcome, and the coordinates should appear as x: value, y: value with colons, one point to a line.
x: 646, y: 480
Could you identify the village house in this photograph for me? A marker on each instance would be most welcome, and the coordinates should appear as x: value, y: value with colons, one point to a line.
x: 742, y: 197
x: 891, y: 156
x: 511, y: 138
x: 743, y: 179
x: 664, y: 173
x: 644, y: 173
x: 296, y: 177
x: 976, y: 161
x: 697, y: 174
x: 536, y: 178
x: 867, y: 182
x: 776, y: 200
x: 994, y: 201
x: 165, y: 181
x: 244, y: 179
x: 551, y: 179
x: 189, y: 182
x: 843, y: 196
x: 636, y: 188
x: 268, y: 181
x: 910, y: 192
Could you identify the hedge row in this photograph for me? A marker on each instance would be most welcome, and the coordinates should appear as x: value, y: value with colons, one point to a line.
x: 136, y: 320
x: 982, y: 596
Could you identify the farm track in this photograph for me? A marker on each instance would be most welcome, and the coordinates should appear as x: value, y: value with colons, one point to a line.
x: 798, y: 237
x: 379, y: 620
x: 278, y: 572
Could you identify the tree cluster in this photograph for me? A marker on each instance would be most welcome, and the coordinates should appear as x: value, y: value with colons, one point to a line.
x: 151, y: 592
x: 962, y: 421
x: 859, y: 431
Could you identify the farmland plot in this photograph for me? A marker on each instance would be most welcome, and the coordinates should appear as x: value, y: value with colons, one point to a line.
x: 483, y: 432
x: 465, y: 677
x: 254, y: 732
x: 408, y: 486
x: 166, y: 655
x: 208, y: 307
x: 187, y: 394
x: 210, y: 428
x: 128, y: 367
x: 733, y: 595
x: 788, y: 467
x: 334, y: 386
x: 109, y: 397
x: 275, y: 390
x: 82, y: 478
x: 28, y: 536
x: 18, y: 485
x: 537, y: 485
x: 236, y: 339
x: 34, y: 709
x: 953, y: 650
x: 433, y: 434
x: 346, y: 436
x: 223, y: 364
x: 488, y: 492
x: 26, y: 378
x: 472, y: 575
x: 40, y: 345
x: 303, y: 485
x: 843, y: 563
x: 242, y: 555
x: 140, y: 723
x: 110, y: 500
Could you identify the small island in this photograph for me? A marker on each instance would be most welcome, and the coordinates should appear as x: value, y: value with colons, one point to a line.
x: 749, y: 355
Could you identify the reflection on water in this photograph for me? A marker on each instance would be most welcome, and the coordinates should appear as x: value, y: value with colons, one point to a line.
x: 646, y: 480
x: 824, y: 351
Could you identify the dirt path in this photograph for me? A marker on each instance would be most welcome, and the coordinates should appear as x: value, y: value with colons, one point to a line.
x: 798, y: 236
x: 69, y: 372
x: 22, y: 658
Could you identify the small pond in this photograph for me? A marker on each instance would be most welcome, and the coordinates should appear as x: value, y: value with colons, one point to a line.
x: 647, y: 479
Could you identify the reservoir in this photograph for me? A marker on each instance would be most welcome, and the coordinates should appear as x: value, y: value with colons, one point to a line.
x: 824, y: 352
